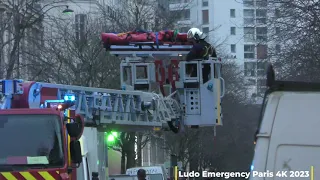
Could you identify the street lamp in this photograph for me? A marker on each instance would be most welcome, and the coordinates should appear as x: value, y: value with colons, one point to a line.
x: 67, y: 11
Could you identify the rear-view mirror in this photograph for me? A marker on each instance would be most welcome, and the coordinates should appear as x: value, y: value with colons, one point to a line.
x: 75, y: 152
x: 74, y: 130
x: 76, y: 127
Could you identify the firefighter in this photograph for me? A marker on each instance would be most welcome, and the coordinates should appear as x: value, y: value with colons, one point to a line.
x: 201, y: 49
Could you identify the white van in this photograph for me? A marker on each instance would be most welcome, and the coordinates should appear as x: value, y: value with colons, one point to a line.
x: 153, y: 172
x: 288, y: 138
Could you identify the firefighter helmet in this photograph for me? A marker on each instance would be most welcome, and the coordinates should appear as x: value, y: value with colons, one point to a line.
x: 195, y: 33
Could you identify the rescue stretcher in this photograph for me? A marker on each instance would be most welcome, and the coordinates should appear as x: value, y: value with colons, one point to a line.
x: 137, y: 43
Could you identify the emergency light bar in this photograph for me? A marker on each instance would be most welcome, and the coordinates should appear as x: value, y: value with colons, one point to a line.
x: 61, y: 104
x: 53, y: 103
x: 69, y: 97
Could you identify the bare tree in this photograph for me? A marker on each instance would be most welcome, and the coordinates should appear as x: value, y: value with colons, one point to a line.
x: 78, y: 55
x: 22, y: 22
x: 295, y: 27
x: 180, y: 144
x: 141, y: 14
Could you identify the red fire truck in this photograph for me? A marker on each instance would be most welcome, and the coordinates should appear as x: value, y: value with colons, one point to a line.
x: 37, y: 143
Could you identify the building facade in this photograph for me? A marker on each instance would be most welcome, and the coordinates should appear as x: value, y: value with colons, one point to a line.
x: 238, y: 29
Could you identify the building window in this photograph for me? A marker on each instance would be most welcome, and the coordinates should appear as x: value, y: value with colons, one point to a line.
x: 184, y: 29
x: 80, y: 26
x: 175, y: 1
x: 205, y: 3
x: 249, y: 35
x: 278, y: 48
x: 261, y: 16
x: 233, y: 30
x: 250, y: 68
x: 232, y: 13
x: 278, y: 30
x: 251, y: 82
x: 249, y: 51
x: 248, y: 16
x: 205, y: 16
x: 205, y: 30
x: 262, y: 3
x: 233, y: 48
x: 186, y: 14
x: 262, y: 68
x: 277, y: 13
x: 248, y: 3
x: 262, y: 35
x: 181, y: 14
x: 262, y: 51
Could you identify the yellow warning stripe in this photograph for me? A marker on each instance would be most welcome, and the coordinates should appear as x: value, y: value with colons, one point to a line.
x: 28, y: 176
x: 46, y: 175
x: 68, y: 145
x: 8, y: 176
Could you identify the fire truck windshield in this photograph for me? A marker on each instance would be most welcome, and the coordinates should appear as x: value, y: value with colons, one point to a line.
x: 31, y: 140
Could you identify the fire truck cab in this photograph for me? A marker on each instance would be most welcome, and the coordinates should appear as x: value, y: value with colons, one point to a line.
x: 43, y: 141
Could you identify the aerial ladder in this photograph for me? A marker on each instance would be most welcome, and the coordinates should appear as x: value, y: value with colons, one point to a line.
x: 189, y: 96
x: 101, y: 108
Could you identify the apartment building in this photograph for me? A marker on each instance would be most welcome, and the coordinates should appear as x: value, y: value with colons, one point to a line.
x: 255, y: 13
x: 238, y: 29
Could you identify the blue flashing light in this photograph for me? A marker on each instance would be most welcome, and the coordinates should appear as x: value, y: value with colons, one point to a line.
x: 252, y: 167
x: 69, y: 97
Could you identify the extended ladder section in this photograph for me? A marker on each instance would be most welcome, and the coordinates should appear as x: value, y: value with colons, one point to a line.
x: 149, y: 49
x: 103, y: 107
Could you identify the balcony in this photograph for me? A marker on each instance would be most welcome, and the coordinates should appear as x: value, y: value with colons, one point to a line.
x: 262, y: 3
x: 262, y: 38
x: 248, y: 21
x: 249, y: 38
x: 180, y: 6
x: 248, y: 3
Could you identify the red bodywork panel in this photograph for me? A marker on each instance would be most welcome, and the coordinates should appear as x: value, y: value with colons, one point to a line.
x: 22, y: 101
